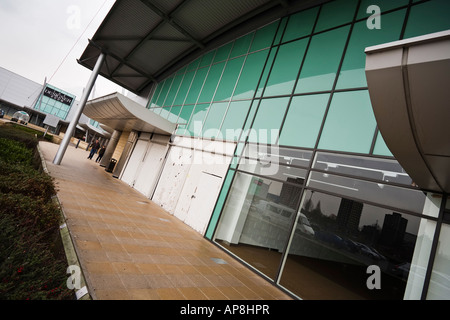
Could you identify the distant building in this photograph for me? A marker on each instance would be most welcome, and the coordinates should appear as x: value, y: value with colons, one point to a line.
x: 393, y: 230
x: 349, y: 215
x: 18, y: 93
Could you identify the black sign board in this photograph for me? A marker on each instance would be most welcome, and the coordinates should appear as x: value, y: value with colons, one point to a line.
x: 58, y: 96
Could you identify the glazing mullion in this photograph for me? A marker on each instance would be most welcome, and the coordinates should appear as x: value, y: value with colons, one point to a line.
x: 237, y: 81
x: 217, y: 86
x: 434, y: 246
x: 240, y: 134
x: 307, y: 174
x: 201, y: 89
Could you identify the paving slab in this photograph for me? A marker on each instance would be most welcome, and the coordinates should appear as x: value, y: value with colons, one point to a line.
x: 129, y: 248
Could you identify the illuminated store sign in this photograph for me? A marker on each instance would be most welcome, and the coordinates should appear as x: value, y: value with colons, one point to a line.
x: 58, y: 96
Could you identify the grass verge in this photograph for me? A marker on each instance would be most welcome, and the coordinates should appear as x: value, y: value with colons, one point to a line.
x: 32, y: 259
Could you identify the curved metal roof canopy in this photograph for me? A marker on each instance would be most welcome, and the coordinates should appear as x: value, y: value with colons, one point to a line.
x: 121, y: 113
x: 147, y: 40
x: 409, y: 88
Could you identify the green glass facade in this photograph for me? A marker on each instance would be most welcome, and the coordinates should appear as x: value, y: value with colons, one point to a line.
x: 299, y: 86
x: 56, y: 102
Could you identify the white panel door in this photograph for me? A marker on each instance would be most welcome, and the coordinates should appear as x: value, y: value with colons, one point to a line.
x: 150, y: 169
x: 189, y: 186
x: 172, y: 178
x: 201, y: 189
x: 134, y: 162
x: 203, y: 201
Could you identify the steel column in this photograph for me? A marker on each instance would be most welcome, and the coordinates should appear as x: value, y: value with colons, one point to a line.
x: 73, y: 123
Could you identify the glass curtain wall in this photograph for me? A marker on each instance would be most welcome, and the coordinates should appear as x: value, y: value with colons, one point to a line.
x: 55, y: 102
x: 313, y: 198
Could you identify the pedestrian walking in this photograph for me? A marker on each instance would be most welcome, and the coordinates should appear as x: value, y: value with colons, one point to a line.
x: 94, y: 147
x: 100, y: 154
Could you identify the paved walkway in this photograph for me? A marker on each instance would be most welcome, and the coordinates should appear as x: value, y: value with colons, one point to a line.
x: 130, y: 248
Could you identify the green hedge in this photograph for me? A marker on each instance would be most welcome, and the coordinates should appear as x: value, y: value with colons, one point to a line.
x: 32, y: 259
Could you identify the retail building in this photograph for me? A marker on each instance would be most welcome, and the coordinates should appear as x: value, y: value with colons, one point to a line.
x: 41, y: 102
x: 306, y: 138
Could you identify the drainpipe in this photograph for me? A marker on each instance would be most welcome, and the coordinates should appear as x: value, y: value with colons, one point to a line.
x: 71, y: 129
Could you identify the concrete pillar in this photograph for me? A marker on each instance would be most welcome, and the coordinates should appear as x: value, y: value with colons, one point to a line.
x: 110, y: 148
x: 125, y: 153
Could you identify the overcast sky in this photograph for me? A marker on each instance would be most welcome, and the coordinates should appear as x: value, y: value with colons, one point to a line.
x: 37, y: 35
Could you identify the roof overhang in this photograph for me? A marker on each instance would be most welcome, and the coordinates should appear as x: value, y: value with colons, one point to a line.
x: 408, y: 82
x: 98, y: 131
x: 123, y: 114
x: 147, y: 40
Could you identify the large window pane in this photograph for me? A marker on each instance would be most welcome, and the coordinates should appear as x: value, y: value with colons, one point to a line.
x: 337, y: 239
x: 264, y: 37
x: 198, y: 116
x: 384, y: 5
x: 223, y: 52
x: 249, y: 120
x: 300, y: 24
x: 184, y: 88
x: 211, y: 82
x: 174, y: 113
x: 381, y: 147
x: 234, y: 119
x: 353, y: 68
x: 266, y: 72
x: 268, y: 119
x: 211, y: 126
x: 303, y: 121
x: 336, y: 13
x: 248, y: 81
x: 285, y: 68
x: 219, y: 205
x: 350, y: 123
x: 165, y: 111
x: 228, y: 80
x: 439, y: 288
x: 241, y: 45
x: 194, y: 64
x: 207, y: 59
x: 427, y: 18
x: 196, y: 86
x: 322, y: 61
x: 256, y: 221
x: 173, y: 90
x: 152, y: 102
x: 163, y: 94
x: 183, y: 119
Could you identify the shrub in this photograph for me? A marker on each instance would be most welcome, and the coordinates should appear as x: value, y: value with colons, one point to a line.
x: 32, y: 260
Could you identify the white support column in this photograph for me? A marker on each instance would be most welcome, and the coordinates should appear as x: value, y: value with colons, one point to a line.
x: 71, y: 129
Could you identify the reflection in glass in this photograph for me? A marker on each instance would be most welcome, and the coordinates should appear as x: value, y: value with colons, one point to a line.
x: 322, y: 61
x: 352, y: 73
x: 396, y: 197
x: 303, y: 120
x: 275, y: 171
x: 285, y: 68
x: 267, y: 122
x: 384, y: 170
x: 439, y: 288
x: 345, y: 237
x: 256, y: 220
x: 286, y: 156
x: 350, y: 123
